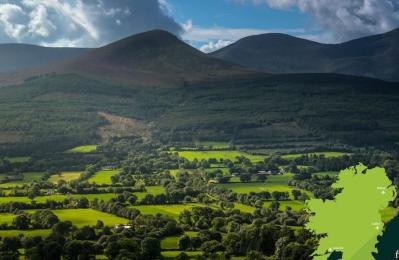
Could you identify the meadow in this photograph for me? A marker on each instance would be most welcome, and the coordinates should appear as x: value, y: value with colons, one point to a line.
x: 65, y: 176
x: 19, y: 159
x: 170, y: 243
x: 25, y: 233
x: 58, y: 197
x: 83, y: 149
x: 169, y: 210
x: 228, y: 155
x: 6, y: 218
x: 293, y: 204
x: 103, y: 177
x: 28, y: 178
x: 87, y: 217
x: 154, y: 190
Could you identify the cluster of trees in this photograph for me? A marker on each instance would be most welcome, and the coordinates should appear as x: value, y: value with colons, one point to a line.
x: 41, y: 219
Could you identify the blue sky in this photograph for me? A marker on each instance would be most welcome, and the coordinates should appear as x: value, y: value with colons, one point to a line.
x: 216, y: 17
x: 206, y: 24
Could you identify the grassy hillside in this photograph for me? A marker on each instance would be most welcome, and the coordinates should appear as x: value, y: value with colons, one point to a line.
x: 62, y: 111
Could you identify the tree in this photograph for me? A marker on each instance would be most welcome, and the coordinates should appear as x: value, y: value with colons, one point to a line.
x: 212, y: 246
x: 184, y: 242
x: 21, y: 221
x: 296, y: 193
x: 151, y: 248
x: 245, y: 177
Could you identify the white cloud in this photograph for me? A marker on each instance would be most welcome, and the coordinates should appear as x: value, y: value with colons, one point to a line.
x: 214, y: 46
x: 344, y: 19
x: 201, y: 34
x: 80, y: 22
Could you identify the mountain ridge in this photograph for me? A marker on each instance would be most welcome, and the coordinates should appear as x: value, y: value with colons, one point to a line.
x: 372, y: 56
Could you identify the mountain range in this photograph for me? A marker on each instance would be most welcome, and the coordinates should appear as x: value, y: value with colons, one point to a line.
x: 175, y: 93
x: 374, y: 56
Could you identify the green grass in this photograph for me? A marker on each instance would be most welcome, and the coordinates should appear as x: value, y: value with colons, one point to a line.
x: 170, y: 243
x: 26, y: 233
x: 273, y: 183
x: 6, y: 218
x: 83, y: 149
x: 66, y: 176
x: 244, y: 208
x: 88, y: 217
x: 231, y: 155
x: 169, y: 210
x: 103, y: 177
x: 174, y: 254
x: 28, y: 178
x: 18, y: 159
x: 58, y: 197
x: 326, y: 154
x: 154, y: 190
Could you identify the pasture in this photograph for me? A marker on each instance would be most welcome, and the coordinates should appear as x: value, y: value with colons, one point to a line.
x: 174, y: 254
x: 6, y: 218
x: 87, y: 217
x: 58, y: 197
x: 170, y: 210
x: 28, y: 178
x: 103, y: 177
x: 83, y: 149
x: 65, y: 176
x: 25, y: 233
x: 154, y: 190
x: 171, y: 243
x: 228, y: 155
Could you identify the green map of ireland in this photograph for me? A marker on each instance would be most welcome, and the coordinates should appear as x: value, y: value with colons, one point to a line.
x: 351, y: 223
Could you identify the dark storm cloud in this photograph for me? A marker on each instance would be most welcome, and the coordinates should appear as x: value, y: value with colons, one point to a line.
x: 79, y: 22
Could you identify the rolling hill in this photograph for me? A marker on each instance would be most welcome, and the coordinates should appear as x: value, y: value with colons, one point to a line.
x: 17, y: 57
x: 375, y: 56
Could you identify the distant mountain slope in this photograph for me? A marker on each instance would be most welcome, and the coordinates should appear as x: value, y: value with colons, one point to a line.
x: 375, y: 56
x: 150, y: 58
x: 61, y: 111
x: 154, y: 56
x: 17, y: 57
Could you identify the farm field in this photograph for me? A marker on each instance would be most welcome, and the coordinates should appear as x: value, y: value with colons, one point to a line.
x: 66, y: 176
x: 18, y: 159
x: 244, y: 208
x: 170, y: 243
x: 83, y: 149
x: 326, y: 154
x: 169, y: 210
x: 58, y: 197
x: 25, y: 233
x: 230, y: 155
x: 154, y: 190
x: 87, y: 217
x: 6, y: 218
x: 28, y: 178
x: 103, y: 177
x: 174, y: 254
